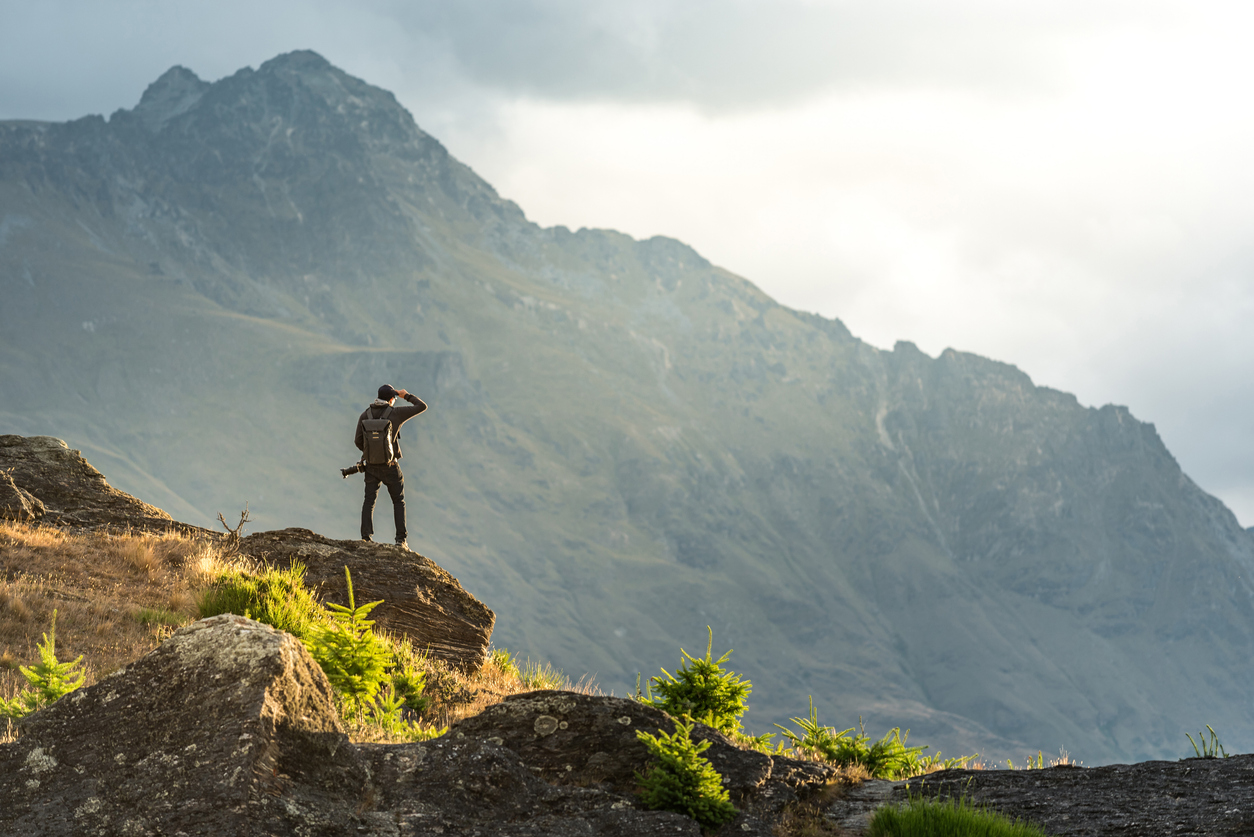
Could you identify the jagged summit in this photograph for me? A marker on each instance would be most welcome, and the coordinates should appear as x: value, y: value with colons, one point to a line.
x: 174, y: 93
x: 297, y: 91
x: 300, y: 61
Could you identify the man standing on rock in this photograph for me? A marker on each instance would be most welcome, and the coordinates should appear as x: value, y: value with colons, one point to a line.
x: 378, y: 439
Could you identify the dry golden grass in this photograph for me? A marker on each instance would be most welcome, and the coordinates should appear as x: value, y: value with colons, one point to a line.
x: 808, y: 818
x: 117, y: 595
x: 455, y: 695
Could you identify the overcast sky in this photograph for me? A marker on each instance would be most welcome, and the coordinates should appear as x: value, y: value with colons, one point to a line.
x: 1065, y: 186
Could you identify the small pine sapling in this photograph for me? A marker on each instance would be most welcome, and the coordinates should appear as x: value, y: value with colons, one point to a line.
x: 702, y: 690
x: 49, y: 678
x: 408, y: 683
x: 681, y: 780
x: 388, y: 714
x: 353, y: 658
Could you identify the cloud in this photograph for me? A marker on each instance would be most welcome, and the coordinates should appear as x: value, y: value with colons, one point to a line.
x: 716, y: 54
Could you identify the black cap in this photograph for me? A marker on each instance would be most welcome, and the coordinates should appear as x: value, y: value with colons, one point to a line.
x: 386, y: 393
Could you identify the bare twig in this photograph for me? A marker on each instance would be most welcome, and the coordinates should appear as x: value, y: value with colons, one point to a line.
x: 233, y: 535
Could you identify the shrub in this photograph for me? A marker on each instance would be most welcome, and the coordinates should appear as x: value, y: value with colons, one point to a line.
x: 817, y: 740
x: 921, y: 817
x: 49, y: 678
x: 277, y: 597
x: 353, y: 658
x: 408, y: 684
x: 682, y: 780
x: 356, y: 661
x: 888, y: 758
x: 702, y: 690
x: 387, y: 714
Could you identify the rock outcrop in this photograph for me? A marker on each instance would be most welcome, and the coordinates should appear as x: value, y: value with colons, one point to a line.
x: 229, y: 728
x: 44, y: 479
x: 420, y: 599
x: 1148, y: 799
x: 590, y: 741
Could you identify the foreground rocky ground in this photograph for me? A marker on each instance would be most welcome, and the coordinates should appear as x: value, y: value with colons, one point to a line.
x: 229, y: 728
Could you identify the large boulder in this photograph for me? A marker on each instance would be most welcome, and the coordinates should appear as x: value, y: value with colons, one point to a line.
x: 459, y: 786
x: 569, y: 738
x: 227, y: 728
x: 420, y: 599
x: 61, y: 488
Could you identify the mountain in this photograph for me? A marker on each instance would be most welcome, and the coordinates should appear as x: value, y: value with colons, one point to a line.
x: 626, y: 444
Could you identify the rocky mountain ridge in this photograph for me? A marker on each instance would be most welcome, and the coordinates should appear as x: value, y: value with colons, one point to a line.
x: 625, y: 443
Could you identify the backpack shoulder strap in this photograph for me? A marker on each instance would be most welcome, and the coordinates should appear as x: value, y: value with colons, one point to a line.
x: 387, y: 411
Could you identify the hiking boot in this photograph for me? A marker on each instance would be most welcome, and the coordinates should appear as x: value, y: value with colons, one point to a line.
x: 367, y: 539
x: 403, y: 543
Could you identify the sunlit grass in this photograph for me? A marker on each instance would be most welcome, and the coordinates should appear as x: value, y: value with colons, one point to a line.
x: 117, y: 594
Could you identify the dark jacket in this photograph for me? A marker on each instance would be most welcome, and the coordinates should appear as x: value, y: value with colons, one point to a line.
x: 399, y: 416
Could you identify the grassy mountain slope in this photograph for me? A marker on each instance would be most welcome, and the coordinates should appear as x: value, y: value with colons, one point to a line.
x: 626, y: 443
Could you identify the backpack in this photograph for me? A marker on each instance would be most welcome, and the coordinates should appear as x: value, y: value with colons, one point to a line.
x: 377, y: 447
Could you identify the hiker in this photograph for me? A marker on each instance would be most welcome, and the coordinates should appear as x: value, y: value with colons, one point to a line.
x: 378, y: 439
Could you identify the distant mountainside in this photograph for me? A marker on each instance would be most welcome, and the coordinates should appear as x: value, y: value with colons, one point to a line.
x: 625, y: 443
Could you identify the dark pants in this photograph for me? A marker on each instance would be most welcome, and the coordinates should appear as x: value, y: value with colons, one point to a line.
x: 389, y: 475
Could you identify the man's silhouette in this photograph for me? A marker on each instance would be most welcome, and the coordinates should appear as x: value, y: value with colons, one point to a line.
x: 390, y: 473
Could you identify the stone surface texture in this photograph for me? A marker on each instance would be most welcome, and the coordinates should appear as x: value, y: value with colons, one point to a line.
x: 227, y: 728
x: 1148, y: 799
x: 18, y: 503
x: 590, y: 741
x: 46, y: 480
x: 420, y: 599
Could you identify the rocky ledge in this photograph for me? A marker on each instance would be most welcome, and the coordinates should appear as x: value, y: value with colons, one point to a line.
x: 420, y: 599
x: 1212, y: 796
x: 42, y: 479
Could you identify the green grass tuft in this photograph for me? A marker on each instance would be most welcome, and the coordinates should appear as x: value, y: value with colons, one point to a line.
x: 920, y: 817
x: 277, y: 597
x: 1211, y: 749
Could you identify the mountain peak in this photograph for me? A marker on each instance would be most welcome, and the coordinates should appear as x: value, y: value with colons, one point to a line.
x: 299, y: 61
x: 175, y: 92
